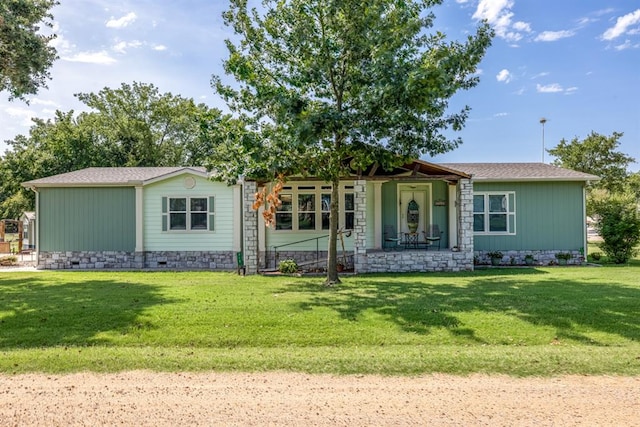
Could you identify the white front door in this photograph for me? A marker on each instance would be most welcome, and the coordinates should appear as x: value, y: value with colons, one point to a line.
x: 420, y: 197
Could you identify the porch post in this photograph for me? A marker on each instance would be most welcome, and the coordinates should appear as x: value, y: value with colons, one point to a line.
x: 360, y: 227
x: 453, y: 215
x: 377, y: 218
x: 250, y: 227
x: 465, y: 223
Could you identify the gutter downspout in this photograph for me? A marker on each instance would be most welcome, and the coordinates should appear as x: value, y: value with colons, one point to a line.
x: 584, y: 221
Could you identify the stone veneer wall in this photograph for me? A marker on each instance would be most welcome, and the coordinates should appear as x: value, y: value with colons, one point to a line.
x: 93, y: 260
x: 540, y: 257
x: 417, y: 261
x: 360, y: 260
x: 250, y: 228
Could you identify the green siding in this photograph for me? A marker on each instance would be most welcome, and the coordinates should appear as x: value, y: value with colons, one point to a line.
x: 87, y: 219
x: 440, y: 214
x: 389, y: 204
x: 219, y: 237
x: 549, y: 216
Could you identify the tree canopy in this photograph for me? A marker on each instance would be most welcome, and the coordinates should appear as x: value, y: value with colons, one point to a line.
x: 332, y: 86
x: 597, y: 155
x: 25, y: 53
x: 134, y: 125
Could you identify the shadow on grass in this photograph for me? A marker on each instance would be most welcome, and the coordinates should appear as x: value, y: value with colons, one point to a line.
x: 419, y: 303
x: 38, y: 313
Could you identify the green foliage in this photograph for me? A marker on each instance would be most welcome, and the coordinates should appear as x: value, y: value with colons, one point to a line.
x: 618, y: 222
x: 329, y: 87
x: 563, y: 256
x: 8, y: 260
x: 495, y: 254
x: 134, y: 125
x: 288, y: 266
x: 595, y: 256
x: 25, y: 53
x: 595, y: 155
x: 493, y: 321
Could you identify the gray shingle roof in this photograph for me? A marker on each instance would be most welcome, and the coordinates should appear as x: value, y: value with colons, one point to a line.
x: 111, y: 176
x: 519, y: 172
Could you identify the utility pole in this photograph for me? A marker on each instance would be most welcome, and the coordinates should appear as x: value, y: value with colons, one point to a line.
x: 542, y: 122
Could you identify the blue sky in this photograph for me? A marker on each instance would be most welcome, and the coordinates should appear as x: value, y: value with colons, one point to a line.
x: 574, y: 62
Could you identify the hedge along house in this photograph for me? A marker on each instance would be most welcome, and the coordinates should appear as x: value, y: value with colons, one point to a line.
x: 157, y: 217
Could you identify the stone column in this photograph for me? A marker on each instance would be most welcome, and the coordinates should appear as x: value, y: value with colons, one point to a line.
x: 360, y: 226
x: 250, y: 227
x: 465, y: 225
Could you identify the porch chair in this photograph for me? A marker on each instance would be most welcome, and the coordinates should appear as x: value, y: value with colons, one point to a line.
x: 434, y: 235
x: 391, y: 238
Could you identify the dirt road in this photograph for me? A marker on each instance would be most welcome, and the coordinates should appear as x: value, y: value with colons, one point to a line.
x: 151, y: 399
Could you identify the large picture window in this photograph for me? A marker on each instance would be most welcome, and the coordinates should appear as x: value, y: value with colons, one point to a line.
x: 494, y: 213
x: 188, y: 213
x: 307, y: 208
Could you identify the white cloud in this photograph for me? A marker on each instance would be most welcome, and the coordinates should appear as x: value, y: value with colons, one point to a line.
x: 570, y: 90
x: 500, y: 114
x: 542, y: 74
x: 504, y: 76
x: 122, y: 22
x: 48, y: 103
x: 159, y: 47
x: 627, y: 45
x: 101, y: 57
x: 22, y: 115
x: 552, y: 88
x: 121, y: 47
x: 498, y: 13
x: 522, y: 26
x: 551, y: 36
x: 622, y: 25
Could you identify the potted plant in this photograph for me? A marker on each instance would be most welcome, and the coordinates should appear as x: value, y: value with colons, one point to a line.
x: 496, y: 257
x: 563, y: 257
x: 529, y: 259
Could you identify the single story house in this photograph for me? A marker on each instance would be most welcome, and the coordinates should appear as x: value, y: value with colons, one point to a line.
x: 421, y: 216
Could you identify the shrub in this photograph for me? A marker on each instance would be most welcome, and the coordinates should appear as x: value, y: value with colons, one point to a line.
x: 8, y: 260
x: 494, y: 254
x: 288, y: 266
x: 563, y: 255
x: 596, y: 256
x: 618, y: 222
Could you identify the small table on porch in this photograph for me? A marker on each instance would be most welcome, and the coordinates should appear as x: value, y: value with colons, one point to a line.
x: 411, y: 240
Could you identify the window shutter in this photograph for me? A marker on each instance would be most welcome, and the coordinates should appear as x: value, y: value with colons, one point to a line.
x: 164, y: 214
x: 211, y: 213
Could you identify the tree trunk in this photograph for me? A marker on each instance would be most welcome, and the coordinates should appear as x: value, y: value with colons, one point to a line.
x: 332, y: 258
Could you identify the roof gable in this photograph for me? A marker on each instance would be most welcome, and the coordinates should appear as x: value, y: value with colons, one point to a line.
x: 520, y: 172
x: 123, y: 176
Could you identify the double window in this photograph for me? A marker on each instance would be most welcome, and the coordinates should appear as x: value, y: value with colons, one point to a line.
x: 188, y: 214
x: 494, y: 213
x: 307, y: 208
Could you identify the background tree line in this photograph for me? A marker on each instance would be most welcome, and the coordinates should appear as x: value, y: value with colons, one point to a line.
x: 133, y: 125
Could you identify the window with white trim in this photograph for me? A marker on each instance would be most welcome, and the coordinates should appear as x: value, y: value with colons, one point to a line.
x: 307, y: 208
x: 494, y: 212
x: 188, y: 214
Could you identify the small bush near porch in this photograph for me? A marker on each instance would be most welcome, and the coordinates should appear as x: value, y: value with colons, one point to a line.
x: 543, y: 321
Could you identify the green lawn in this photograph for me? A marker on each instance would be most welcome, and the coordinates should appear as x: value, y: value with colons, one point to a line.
x: 543, y: 321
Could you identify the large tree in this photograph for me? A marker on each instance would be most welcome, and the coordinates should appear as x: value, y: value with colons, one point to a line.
x: 331, y: 86
x: 134, y: 125
x: 597, y: 155
x: 25, y: 53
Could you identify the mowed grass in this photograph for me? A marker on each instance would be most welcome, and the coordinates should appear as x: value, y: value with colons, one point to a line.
x: 520, y: 321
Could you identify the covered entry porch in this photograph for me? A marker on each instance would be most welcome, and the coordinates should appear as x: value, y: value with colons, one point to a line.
x: 418, y: 217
